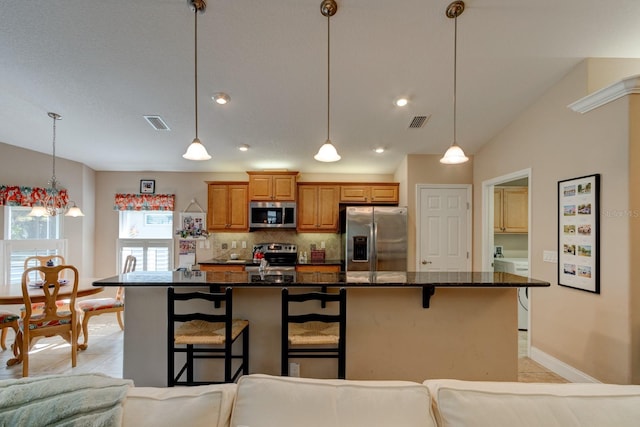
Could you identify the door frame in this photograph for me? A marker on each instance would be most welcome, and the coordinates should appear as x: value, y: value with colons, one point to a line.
x: 469, y: 239
x: 487, y: 215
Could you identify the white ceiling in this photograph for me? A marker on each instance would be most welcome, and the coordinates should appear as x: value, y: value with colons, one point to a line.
x: 104, y: 64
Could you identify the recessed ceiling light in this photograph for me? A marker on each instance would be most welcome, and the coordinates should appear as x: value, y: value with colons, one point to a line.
x: 243, y: 147
x: 401, y: 102
x: 379, y: 150
x: 221, y: 98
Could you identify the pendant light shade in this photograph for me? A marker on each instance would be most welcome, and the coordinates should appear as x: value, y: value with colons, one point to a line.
x: 196, y: 151
x: 454, y: 155
x: 328, y: 152
x: 74, y: 211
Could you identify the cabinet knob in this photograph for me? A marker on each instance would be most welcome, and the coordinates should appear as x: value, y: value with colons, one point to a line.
x: 425, y: 262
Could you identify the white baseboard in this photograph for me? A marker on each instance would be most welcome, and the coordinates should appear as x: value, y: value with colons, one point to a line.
x: 559, y: 367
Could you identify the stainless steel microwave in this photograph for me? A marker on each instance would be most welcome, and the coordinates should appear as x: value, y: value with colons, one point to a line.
x: 272, y: 215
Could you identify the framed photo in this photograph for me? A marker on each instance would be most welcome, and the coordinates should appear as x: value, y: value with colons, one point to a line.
x: 579, y: 233
x: 147, y: 186
x: 193, y: 224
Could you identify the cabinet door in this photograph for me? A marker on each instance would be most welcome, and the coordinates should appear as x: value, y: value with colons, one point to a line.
x: 260, y: 187
x: 515, y: 209
x: 307, y: 207
x: 354, y: 193
x: 384, y: 193
x: 328, y: 208
x: 238, y: 210
x: 497, y: 210
x: 218, y: 207
x: 284, y: 187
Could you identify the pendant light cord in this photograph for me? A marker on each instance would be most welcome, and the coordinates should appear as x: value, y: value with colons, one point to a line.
x: 328, y: 75
x: 455, y: 74
x: 53, y: 176
x: 195, y: 72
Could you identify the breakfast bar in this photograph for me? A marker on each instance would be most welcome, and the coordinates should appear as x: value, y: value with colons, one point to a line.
x: 401, y: 325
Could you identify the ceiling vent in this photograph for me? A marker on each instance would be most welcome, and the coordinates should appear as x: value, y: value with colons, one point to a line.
x: 418, y: 122
x: 157, y: 123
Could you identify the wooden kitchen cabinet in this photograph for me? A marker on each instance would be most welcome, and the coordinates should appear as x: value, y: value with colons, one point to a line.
x: 511, y: 210
x: 272, y: 186
x: 222, y: 267
x: 378, y: 193
x: 318, y: 207
x: 310, y: 272
x: 227, y: 206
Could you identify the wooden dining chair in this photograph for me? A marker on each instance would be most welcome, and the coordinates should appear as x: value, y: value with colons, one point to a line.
x: 96, y: 306
x: 8, y: 320
x: 48, y: 260
x: 52, y: 320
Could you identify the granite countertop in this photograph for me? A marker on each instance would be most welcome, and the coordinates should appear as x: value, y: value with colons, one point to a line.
x: 350, y: 279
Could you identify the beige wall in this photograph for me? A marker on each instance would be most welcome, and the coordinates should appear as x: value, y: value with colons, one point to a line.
x: 634, y: 233
x: 587, y: 331
x: 25, y: 167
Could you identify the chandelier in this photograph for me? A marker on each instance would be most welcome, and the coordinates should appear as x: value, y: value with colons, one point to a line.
x: 55, y: 202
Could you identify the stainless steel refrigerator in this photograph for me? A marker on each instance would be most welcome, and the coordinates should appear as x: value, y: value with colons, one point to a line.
x: 374, y: 238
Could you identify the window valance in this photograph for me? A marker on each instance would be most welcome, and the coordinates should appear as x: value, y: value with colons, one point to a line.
x: 17, y: 195
x: 144, y: 202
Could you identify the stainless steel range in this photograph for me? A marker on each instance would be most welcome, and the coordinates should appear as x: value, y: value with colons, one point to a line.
x: 277, y: 263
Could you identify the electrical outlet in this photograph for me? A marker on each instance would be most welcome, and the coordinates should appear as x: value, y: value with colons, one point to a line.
x: 294, y: 369
x: 233, y: 244
x: 244, y: 244
x: 201, y: 244
x: 322, y: 244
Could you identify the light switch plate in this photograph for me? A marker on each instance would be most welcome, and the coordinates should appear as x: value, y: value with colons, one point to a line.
x: 550, y: 256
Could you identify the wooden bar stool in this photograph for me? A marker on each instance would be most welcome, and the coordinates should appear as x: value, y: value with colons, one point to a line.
x: 205, y: 336
x: 314, y: 335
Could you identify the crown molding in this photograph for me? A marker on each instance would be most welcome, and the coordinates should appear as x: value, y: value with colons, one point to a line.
x: 606, y: 95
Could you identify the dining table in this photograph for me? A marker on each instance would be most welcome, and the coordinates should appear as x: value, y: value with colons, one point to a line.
x: 11, y: 294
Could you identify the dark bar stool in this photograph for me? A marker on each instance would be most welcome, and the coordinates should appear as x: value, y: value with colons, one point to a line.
x: 314, y: 335
x: 213, y: 334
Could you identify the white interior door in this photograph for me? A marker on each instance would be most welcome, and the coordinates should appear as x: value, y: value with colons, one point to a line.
x: 444, y: 228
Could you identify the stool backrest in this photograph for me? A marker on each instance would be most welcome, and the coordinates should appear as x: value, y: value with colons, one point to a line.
x: 216, y: 298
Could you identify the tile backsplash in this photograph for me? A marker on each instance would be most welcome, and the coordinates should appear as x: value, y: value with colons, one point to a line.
x: 221, y: 245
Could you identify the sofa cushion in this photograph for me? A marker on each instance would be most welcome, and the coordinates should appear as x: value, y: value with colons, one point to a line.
x: 206, y: 405
x: 475, y: 403
x: 270, y: 401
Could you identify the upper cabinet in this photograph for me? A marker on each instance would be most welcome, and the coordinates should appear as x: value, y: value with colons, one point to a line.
x: 318, y: 207
x: 378, y: 193
x: 511, y: 210
x: 227, y: 206
x: 272, y: 186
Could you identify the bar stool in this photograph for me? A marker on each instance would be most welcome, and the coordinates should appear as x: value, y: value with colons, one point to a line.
x: 314, y: 335
x: 213, y: 334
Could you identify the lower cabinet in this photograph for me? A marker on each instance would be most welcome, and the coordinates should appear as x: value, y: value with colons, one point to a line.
x: 313, y: 270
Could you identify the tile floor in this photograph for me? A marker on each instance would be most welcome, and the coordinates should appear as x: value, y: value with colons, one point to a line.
x: 104, y: 355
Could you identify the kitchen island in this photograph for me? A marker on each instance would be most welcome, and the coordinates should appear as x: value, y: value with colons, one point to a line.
x: 469, y: 330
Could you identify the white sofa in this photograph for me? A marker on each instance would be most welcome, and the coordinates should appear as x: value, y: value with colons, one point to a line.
x: 268, y: 401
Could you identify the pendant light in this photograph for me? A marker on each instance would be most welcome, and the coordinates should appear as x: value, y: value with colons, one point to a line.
x: 196, y: 150
x: 454, y: 154
x: 54, y: 203
x: 328, y: 152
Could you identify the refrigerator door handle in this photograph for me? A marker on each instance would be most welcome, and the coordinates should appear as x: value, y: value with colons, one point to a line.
x: 374, y: 246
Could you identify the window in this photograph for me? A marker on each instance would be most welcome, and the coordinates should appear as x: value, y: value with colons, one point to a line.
x: 26, y: 236
x: 147, y: 235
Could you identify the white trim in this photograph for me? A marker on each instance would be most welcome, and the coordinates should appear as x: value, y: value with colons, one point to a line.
x: 469, y: 188
x: 607, y: 94
x: 557, y: 366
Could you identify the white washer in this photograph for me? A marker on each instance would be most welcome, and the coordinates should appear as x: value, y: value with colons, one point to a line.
x: 519, y: 266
